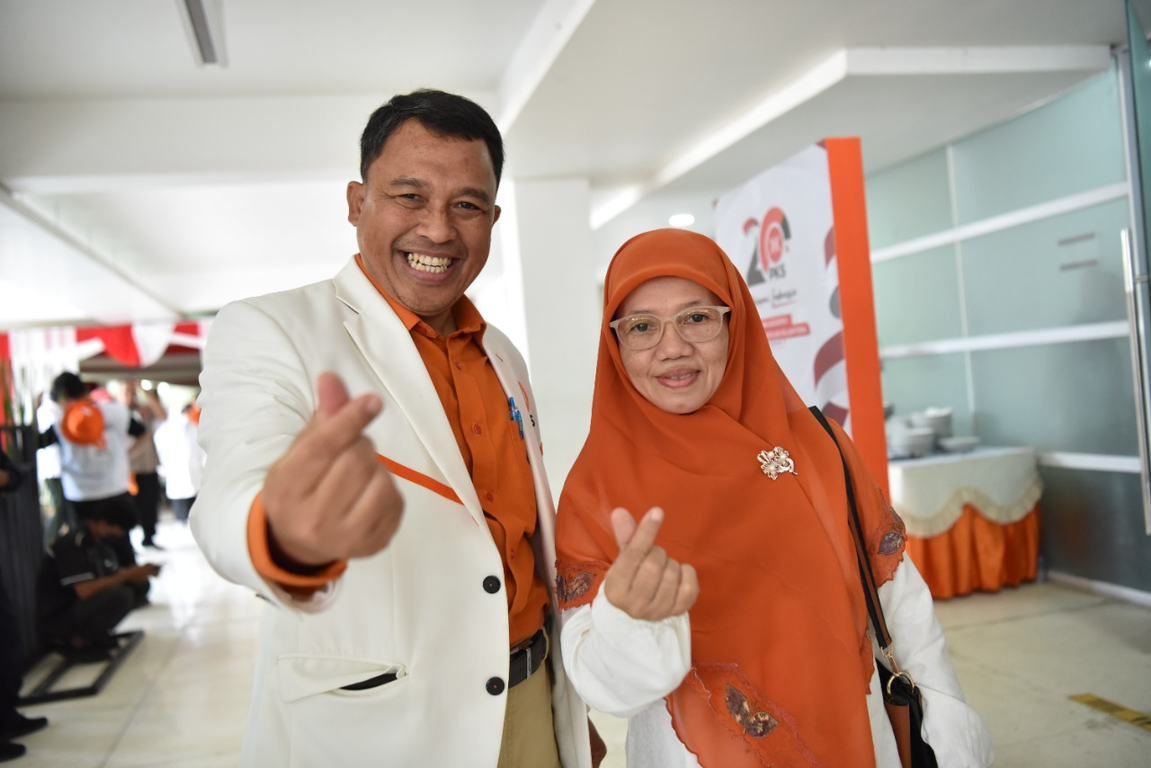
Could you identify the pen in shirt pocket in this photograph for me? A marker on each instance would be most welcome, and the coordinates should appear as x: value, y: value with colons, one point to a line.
x: 516, y: 416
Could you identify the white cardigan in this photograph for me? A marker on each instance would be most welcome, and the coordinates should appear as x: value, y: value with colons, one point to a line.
x: 625, y: 666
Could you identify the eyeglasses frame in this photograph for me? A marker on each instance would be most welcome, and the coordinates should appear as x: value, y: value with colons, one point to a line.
x: 663, y: 321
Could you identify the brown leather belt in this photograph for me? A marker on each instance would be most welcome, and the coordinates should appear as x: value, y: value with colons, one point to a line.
x: 526, y: 657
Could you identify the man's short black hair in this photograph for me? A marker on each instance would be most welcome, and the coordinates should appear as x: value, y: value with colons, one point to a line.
x: 68, y: 385
x: 445, y: 114
x: 118, y: 510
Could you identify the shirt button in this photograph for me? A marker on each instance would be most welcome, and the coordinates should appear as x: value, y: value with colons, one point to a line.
x: 491, y: 585
x: 477, y: 429
x: 459, y: 365
x: 495, y: 686
x: 489, y: 497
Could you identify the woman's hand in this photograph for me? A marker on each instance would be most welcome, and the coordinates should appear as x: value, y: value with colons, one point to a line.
x: 643, y: 581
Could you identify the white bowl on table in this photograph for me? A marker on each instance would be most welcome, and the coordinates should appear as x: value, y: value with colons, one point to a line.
x: 962, y: 444
x: 912, y: 441
x: 938, y: 419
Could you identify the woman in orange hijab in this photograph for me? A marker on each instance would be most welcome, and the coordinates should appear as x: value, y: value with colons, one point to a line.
x: 708, y: 573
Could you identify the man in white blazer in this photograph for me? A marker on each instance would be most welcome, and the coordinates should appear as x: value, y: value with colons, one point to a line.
x: 405, y: 625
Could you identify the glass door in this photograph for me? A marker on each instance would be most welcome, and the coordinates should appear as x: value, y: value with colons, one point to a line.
x: 1135, y: 68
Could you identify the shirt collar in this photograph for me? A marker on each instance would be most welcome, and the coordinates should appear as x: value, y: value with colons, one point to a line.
x: 468, y: 318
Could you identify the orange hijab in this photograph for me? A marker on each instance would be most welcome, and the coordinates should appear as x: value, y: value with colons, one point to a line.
x: 780, y: 658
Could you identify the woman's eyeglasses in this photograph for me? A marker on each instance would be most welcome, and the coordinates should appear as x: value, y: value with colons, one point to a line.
x: 694, y: 325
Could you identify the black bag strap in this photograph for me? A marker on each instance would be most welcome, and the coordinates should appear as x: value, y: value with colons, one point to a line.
x: 905, y: 694
x: 866, y: 577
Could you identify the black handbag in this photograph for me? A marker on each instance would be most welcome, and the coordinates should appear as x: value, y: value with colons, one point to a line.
x: 901, y: 697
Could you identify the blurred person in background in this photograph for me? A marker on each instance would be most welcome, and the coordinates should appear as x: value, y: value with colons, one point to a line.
x: 94, y: 438
x: 181, y: 460
x: 13, y: 725
x: 63, y: 517
x: 89, y: 583
x: 142, y: 456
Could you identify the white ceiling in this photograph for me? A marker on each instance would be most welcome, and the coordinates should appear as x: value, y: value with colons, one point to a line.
x: 136, y: 184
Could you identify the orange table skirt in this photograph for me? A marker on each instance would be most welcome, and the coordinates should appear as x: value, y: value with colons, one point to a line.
x: 978, y: 554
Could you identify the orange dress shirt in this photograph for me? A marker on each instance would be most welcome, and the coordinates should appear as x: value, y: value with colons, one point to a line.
x: 493, y: 451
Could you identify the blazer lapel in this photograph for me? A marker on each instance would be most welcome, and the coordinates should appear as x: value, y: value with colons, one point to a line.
x: 514, y: 380
x: 387, y: 347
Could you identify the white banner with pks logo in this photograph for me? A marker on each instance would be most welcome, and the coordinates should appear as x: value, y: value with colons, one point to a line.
x: 779, y: 230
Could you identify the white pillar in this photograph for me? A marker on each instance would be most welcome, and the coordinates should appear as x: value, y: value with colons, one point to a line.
x: 547, y: 250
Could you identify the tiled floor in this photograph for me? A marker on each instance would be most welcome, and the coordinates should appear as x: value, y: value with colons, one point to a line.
x: 181, y: 698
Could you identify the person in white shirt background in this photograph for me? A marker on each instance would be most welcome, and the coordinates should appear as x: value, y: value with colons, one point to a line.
x: 181, y: 460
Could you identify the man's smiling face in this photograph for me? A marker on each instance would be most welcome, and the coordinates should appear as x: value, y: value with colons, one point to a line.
x: 424, y: 218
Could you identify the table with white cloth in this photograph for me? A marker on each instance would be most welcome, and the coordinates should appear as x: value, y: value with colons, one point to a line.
x: 972, y: 518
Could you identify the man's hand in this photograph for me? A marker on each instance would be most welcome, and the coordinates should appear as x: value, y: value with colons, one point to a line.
x: 643, y: 581
x: 138, y: 573
x: 328, y: 497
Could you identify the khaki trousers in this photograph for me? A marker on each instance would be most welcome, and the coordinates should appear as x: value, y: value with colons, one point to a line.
x: 529, y: 739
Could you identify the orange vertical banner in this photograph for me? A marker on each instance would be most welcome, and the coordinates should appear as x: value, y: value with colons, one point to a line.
x: 857, y: 303
x: 798, y: 233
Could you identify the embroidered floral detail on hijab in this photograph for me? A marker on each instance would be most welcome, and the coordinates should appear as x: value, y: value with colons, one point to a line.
x: 574, y: 586
x: 776, y: 462
x: 891, y: 543
x: 894, y: 539
x: 756, y: 724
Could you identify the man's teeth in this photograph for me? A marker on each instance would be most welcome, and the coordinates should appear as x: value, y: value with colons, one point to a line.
x: 425, y: 263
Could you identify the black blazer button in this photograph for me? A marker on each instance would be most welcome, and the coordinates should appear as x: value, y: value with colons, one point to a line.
x: 491, y: 585
x: 495, y: 686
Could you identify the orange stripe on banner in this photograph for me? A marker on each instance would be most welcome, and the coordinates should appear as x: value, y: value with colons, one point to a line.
x: 856, y: 301
x: 411, y: 475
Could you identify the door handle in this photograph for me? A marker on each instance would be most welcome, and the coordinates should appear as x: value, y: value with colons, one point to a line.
x: 1133, y: 284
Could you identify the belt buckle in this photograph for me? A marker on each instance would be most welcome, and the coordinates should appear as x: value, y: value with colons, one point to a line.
x: 526, y: 647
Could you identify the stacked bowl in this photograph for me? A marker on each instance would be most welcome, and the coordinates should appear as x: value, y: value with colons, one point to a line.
x: 904, y: 440
x: 936, y: 419
x: 919, y: 434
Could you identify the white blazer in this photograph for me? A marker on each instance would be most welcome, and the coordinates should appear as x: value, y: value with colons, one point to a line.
x: 418, y: 609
